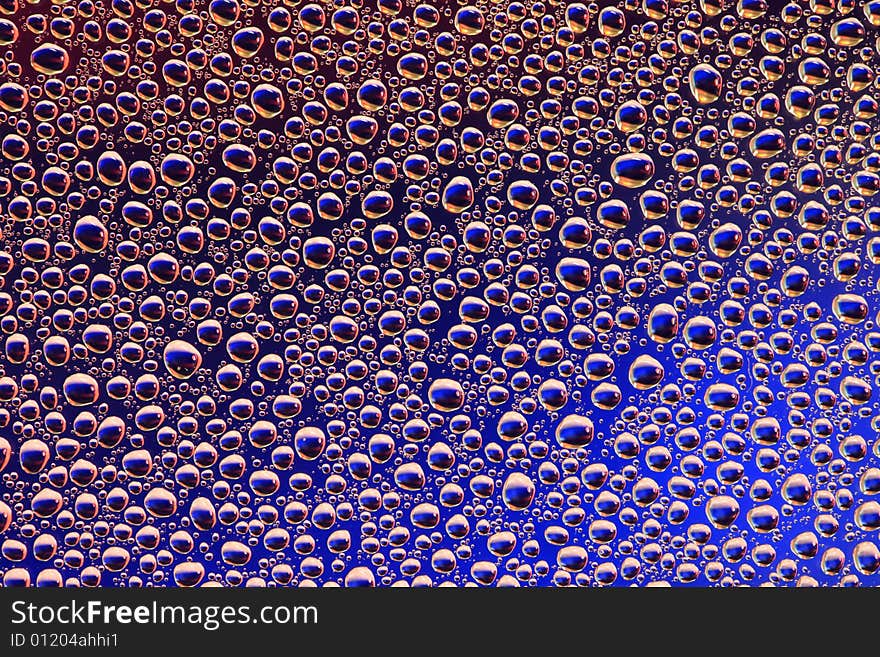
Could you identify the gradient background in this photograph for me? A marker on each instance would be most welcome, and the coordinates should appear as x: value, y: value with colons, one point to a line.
x: 666, y: 551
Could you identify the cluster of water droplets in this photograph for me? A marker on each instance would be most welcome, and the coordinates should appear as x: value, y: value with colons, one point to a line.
x: 380, y: 292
